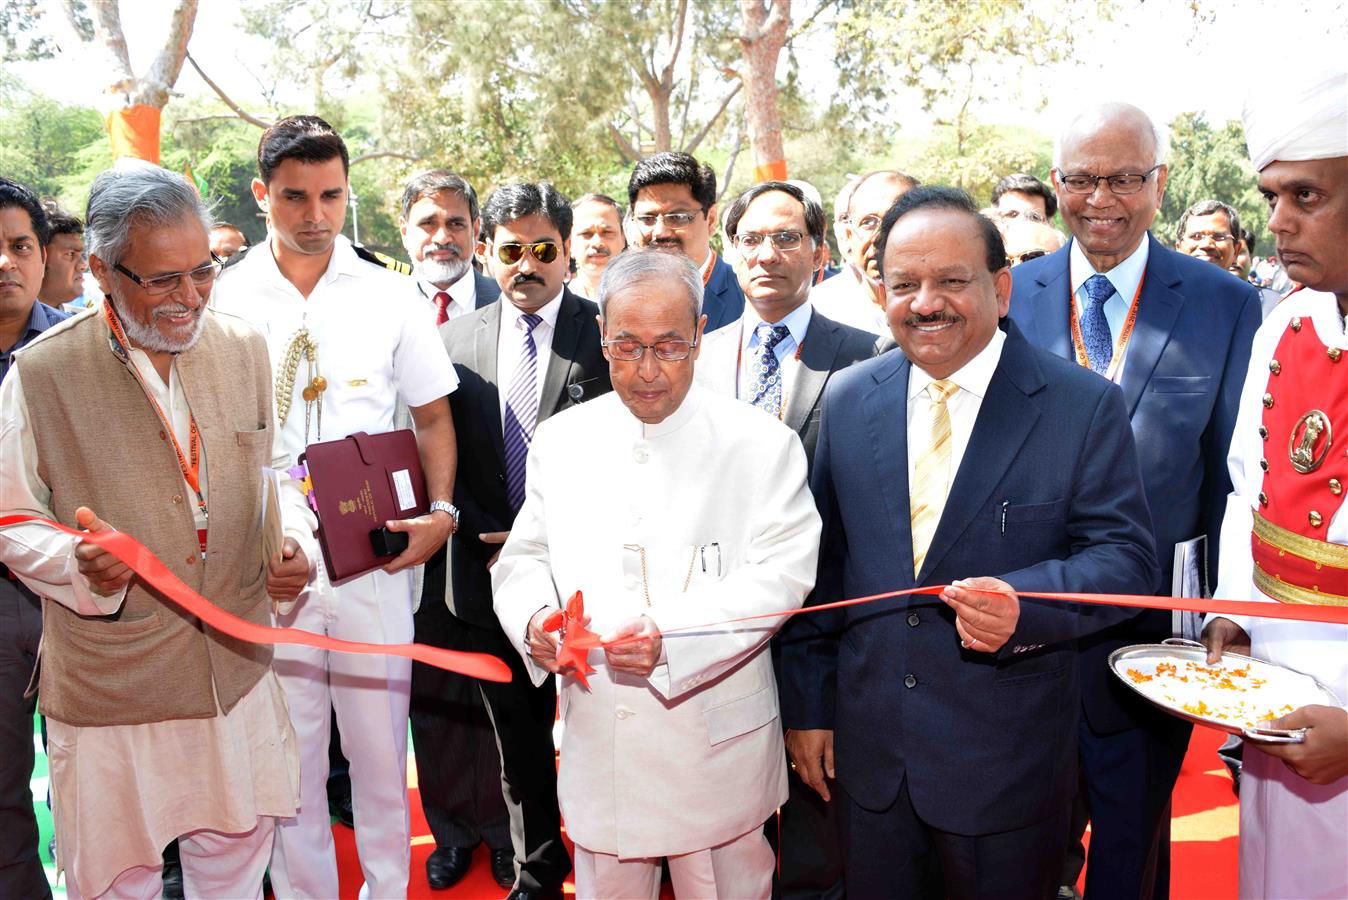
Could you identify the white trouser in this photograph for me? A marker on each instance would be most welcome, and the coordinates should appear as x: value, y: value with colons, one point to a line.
x: 370, y: 696
x: 214, y: 865
x: 740, y: 869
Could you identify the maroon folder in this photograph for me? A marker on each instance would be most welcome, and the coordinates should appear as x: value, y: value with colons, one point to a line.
x: 360, y: 483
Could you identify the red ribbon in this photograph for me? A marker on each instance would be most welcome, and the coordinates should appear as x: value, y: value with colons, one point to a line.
x: 578, y: 641
x: 154, y: 573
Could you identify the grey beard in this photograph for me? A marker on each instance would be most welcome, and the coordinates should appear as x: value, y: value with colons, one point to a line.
x: 442, y: 273
x: 147, y: 337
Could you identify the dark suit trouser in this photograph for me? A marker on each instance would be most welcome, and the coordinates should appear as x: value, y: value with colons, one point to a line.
x: 893, y: 853
x: 1128, y: 778
x: 21, y: 872
x: 523, y: 716
x: 808, y: 845
x: 458, y: 766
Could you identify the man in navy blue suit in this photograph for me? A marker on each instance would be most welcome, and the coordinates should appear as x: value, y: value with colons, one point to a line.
x: 971, y: 460
x: 1174, y: 333
x: 672, y: 198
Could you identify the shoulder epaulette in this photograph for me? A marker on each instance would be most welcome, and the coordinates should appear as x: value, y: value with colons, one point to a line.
x: 382, y: 260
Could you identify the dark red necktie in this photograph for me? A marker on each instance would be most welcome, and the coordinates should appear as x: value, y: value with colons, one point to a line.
x: 442, y: 302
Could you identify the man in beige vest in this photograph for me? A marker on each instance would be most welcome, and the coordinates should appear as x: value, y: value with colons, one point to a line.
x: 152, y: 415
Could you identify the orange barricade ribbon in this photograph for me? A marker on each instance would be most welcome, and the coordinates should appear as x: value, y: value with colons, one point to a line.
x: 137, y: 557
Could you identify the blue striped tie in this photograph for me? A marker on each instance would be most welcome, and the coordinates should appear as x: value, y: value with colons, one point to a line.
x: 1095, y: 333
x: 521, y: 413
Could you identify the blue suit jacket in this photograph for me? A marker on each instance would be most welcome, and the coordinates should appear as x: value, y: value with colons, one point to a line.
x: 1181, y: 383
x: 722, y: 299
x: 985, y: 741
x: 488, y: 291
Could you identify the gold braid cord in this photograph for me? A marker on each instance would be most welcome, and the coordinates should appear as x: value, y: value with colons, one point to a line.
x: 301, y: 346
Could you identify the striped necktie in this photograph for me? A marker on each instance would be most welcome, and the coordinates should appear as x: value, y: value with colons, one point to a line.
x: 521, y: 413
x: 931, y: 475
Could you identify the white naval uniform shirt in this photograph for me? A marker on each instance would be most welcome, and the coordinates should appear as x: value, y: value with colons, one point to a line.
x: 374, y: 346
x: 510, y: 345
x: 973, y: 380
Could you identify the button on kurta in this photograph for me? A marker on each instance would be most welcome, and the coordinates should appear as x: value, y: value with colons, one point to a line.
x: 623, y: 712
x: 641, y: 453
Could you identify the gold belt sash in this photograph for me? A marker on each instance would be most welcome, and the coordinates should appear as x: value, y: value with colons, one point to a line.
x: 1294, y: 568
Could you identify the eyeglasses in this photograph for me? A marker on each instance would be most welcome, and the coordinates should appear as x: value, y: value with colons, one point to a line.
x: 1217, y: 237
x: 1017, y: 259
x: 868, y: 224
x: 1123, y: 183
x: 667, y: 350
x: 166, y: 284
x: 675, y: 220
x: 750, y: 242
x: 512, y: 252
x: 1028, y: 214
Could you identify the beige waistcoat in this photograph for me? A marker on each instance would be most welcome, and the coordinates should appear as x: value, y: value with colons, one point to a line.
x: 100, y: 444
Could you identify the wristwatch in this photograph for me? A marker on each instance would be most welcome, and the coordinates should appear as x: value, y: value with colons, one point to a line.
x: 445, y: 506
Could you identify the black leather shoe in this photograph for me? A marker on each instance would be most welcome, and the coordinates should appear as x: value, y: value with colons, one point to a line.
x: 173, y: 880
x: 542, y: 894
x: 446, y: 866
x: 339, y: 807
x: 503, y: 866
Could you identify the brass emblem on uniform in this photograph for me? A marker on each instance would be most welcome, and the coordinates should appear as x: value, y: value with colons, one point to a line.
x: 1306, y: 435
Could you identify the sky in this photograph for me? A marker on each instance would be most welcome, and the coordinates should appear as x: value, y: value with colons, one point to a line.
x: 1155, y: 54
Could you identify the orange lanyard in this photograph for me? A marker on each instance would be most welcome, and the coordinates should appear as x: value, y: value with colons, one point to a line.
x: 711, y: 267
x: 1120, y: 346
x: 191, y: 470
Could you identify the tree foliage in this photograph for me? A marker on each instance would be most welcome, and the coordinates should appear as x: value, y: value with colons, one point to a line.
x: 1210, y: 163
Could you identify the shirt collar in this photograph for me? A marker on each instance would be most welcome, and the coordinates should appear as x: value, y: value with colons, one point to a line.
x: 40, y: 318
x: 1125, y: 277
x: 974, y: 377
x: 463, y: 291
x: 680, y: 417
x: 797, y: 322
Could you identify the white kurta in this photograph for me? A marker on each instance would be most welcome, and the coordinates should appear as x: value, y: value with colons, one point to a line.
x: 692, y: 756
x: 1293, y: 834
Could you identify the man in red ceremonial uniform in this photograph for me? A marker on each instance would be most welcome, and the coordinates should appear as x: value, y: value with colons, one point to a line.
x: 1288, y: 468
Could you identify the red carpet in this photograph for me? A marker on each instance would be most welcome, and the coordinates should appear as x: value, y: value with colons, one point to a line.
x: 1203, y: 834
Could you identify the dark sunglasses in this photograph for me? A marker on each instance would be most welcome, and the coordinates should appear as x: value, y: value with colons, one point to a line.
x: 511, y: 253
x: 1026, y: 256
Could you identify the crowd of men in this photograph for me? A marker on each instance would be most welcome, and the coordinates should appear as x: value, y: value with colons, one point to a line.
x: 972, y: 400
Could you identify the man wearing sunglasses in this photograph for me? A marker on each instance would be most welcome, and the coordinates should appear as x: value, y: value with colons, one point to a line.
x: 1174, y: 333
x: 672, y: 198
x: 1027, y: 239
x: 520, y: 360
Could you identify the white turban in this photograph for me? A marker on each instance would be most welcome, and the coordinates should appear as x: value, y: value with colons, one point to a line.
x: 1300, y: 113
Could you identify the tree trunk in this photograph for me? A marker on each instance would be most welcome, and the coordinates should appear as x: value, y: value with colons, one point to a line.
x: 765, y: 23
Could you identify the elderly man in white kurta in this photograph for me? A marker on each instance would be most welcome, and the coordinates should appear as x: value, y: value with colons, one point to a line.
x: 697, y: 513
x: 1288, y: 471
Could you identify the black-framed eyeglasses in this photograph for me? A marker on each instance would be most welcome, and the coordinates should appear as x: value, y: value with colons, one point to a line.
x: 1027, y: 214
x: 750, y: 242
x: 629, y: 350
x: 166, y: 284
x: 512, y: 251
x: 1017, y: 258
x: 675, y: 220
x: 1122, y: 183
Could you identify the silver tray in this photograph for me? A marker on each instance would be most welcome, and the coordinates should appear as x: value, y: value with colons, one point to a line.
x: 1290, y: 685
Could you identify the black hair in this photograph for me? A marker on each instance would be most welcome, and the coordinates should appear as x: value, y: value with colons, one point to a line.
x: 1247, y: 237
x: 515, y: 201
x: 1208, y: 208
x: 814, y: 214
x: 1021, y: 183
x: 598, y: 198
x: 15, y: 196
x: 939, y: 197
x: 306, y: 138
x: 674, y: 168
x: 432, y: 182
x: 59, y: 221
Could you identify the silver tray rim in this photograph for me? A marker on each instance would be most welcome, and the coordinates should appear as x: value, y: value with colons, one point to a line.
x: 1184, y: 649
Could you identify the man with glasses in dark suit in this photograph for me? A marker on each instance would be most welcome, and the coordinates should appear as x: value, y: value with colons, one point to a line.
x: 522, y: 359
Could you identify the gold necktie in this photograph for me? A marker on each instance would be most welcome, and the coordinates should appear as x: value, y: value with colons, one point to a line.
x: 931, y: 475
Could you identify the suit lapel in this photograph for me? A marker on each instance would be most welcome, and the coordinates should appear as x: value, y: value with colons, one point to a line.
x: 816, y: 359
x: 484, y: 348
x: 886, y: 413
x: 1005, y: 419
x: 565, y: 338
x: 1157, y: 310
x: 1048, y: 326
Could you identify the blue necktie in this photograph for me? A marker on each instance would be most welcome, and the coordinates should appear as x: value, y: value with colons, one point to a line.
x: 521, y: 413
x: 1095, y: 327
x: 765, y: 392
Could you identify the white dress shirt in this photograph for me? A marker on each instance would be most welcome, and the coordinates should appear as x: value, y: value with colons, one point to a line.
x: 510, y: 345
x: 462, y: 294
x: 846, y: 298
x: 963, y: 406
x: 1126, y: 277
x: 797, y: 323
x: 374, y: 346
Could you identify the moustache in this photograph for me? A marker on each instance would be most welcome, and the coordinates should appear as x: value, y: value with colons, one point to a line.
x: 598, y: 251
x: 526, y: 279
x: 666, y: 243
x: 177, y: 309
x: 448, y: 248
x: 939, y: 318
